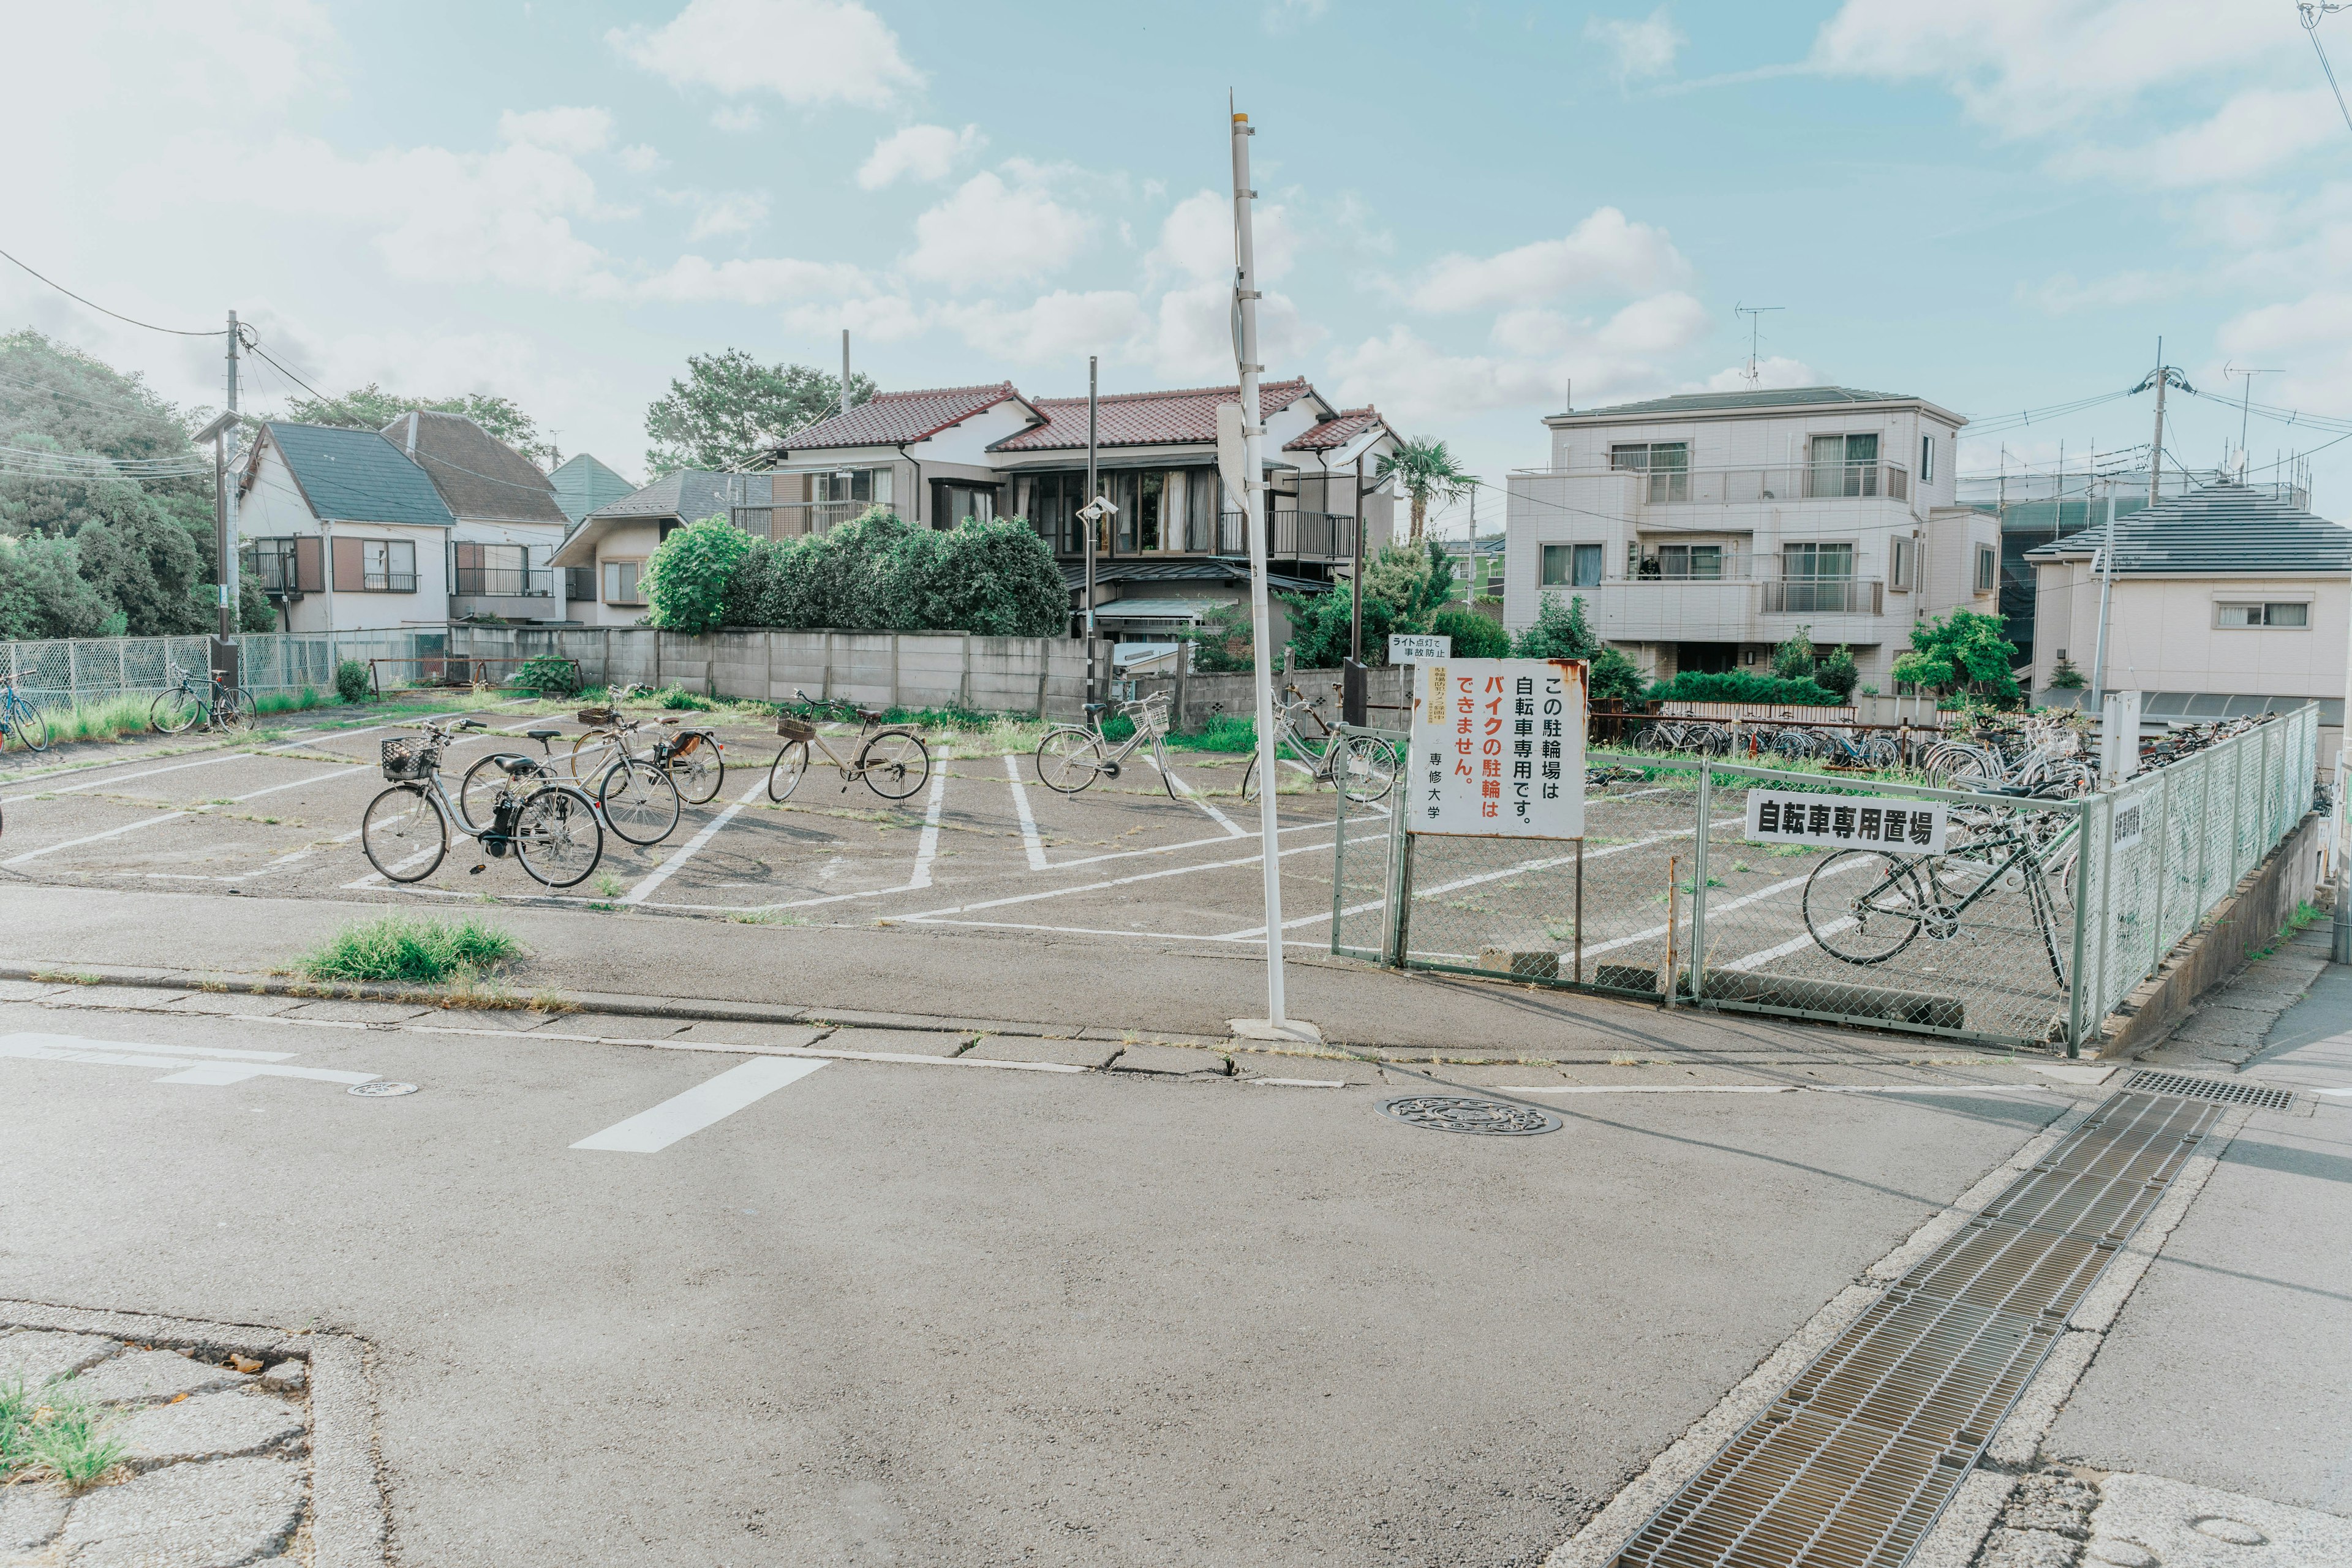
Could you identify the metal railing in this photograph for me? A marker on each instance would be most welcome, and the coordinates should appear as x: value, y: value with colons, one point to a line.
x: 1778, y: 482
x: 503, y: 581
x: 2031, y: 928
x: 1824, y: 597
x: 789, y: 520
x: 64, y: 673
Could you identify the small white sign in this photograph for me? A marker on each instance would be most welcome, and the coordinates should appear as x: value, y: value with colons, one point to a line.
x: 1498, y: 749
x: 2131, y: 818
x: 1846, y: 821
x: 1412, y: 648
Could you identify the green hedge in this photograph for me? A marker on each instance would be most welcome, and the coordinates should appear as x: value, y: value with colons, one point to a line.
x: 875, y: 573
x: 1737, y: 686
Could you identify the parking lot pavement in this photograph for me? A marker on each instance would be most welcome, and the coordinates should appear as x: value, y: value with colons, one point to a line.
x: 876, y: 1311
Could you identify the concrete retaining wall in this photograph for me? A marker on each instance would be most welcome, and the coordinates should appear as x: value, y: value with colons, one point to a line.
x: 2246, y: 923
x: 1196, y: 698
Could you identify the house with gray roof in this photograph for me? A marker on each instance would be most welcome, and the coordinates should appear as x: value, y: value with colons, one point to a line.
x: 1703, y: 528
x: 509, y: 519
x: 343, y: 531
x: 2228, y: 600
x: 582, y: 484
x: 602, y: 558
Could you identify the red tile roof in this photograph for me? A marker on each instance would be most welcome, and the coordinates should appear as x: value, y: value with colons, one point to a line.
x: 1144, y: 418
x: 893, y: 419
x: 1338, y: 430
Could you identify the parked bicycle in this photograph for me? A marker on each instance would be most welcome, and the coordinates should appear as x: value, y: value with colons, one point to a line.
x: 550, y: 826
x: 1864, y: 906
x: 19, y: 719
x: 689, y: 758
x: 1072, y: 756
x: 890, y: 760
x: 638, y: 799
x: 211, y: 701
x: 1363, y: 768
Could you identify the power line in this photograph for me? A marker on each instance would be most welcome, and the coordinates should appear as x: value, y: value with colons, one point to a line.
x: 2310, y: 11
x: 539, y: 488
x: 176, y: 332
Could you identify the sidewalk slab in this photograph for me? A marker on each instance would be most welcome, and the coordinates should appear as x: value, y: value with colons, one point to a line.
x: 2184, y: 1526
x: 1017, y: 1048
x: 1169, y: 1061
x: 913, y: 1042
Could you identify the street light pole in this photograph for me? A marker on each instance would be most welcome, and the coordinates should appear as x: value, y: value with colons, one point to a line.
x: 1093, y: 522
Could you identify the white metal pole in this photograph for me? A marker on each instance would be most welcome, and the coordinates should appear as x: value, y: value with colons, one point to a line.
x: 845, y: 369
x: 1253, y: 521
x: 2106, y: 593
x: 232, y: 609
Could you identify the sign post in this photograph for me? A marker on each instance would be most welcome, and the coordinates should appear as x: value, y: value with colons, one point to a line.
x: 1408, y: 648
x: 1498, y: 749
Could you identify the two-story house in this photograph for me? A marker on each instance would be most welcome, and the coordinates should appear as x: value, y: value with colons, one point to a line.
x: 342, y: 530
x: 1175, y: 550
x: 509, y: 520
x: 1703, y: 528
x: 603, y: 559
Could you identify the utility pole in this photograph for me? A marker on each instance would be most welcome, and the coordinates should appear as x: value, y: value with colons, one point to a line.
x: 845, y: 369
x: 1470, y: 578
x: 2106, y: 596
x: 1356, y: 582
x: 1274, y: 1024
x: 1094, y: 521
x: 1755, y: 376
x: 226, y: 512
x: 2246, y: 406
x: 2162, y: 376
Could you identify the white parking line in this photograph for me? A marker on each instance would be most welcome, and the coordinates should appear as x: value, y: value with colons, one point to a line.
x: 694, y: 845
x: 172, y: 816
x: 1715, y: 909
x: 1774, y: 1088
x: 1197, y: 798
x: 1112, y: 882
x: 680, y: 1116
x: 214, y: 1072
x: 926, y: 848
x: 1029, y: 839
x: 1794, y: 944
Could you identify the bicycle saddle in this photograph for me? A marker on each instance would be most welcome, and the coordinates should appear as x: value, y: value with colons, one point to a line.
x: 1098, y: 707
x: 543, y: 735
x: 869, y: 716
x: 517, y: 767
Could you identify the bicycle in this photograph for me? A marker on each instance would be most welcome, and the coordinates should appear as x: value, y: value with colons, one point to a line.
x: 20, y: 719
x: 550, y: 826
x: 1905, y: 895
x: 1363, y: 769
x: 1072, y: 756
x: 892, y: 761
x: 638, y: 799
x: 694, y: 759
x: 211, y: 701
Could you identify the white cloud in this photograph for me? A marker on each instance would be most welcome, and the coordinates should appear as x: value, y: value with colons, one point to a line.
x: 1193, y: 338
x: 1661, y: 324
x: 2249, y: 134
x: 1058, y: 327
x: 759, y: 280
x: 2061, y: 292
x: 1412, y: 378
x: 725, y: 212
x: 1287, y: 15
x: 879, y: 318
x: 736, y: 117
x: 1538, y: 351
x: 927, y: 152
x: 642, y: 159
x: 1642, y: 49
x: 1196, y: 238
x: 572, y: 131
x: 806, y: 52
x: 989, y: 232
x: 1772, y: 370
x: 1605, y: 250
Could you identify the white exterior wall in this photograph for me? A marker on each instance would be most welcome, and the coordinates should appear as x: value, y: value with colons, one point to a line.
x: 2162, y: 633
x: 273, y: 508
x: 634, y: 539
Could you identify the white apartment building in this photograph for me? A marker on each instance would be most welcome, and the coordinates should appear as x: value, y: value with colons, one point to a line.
x: 1703, y: 528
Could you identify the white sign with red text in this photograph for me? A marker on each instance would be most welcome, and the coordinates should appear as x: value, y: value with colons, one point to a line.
x: 1497, y: 749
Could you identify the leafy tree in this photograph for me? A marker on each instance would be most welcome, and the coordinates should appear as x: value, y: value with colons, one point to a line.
x: 1738, y: 686
x: 730, y: 409
x: 1559, y: 631
x: 1226, y: 642
x: 1615, y: 677
x: 1322, y: 626
x: 1475, y: 636
x: 141, y: 561
x: 42, y: 593
x: 371, y: 408
x: 2064, y: 676
x: 1964, y: 653
x: 254, y: 611
x: 1794, y: 659
x: 1839, y: 674
x: 995, y: 579
x: 1428, y: 472
x: 685, y: 579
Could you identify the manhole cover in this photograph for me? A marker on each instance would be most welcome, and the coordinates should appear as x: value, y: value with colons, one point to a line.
x: 1462, y: 1113
x: 380, y: 1088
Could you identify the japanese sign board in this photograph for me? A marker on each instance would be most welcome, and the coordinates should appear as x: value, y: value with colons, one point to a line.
x: 1410, y: 648
x: 1498, y: 748
x: 1846, y: 821
x: 2131, y: 816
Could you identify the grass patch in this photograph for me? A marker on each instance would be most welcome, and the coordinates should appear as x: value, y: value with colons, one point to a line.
x: 288, y: 702
x: 678, y: 700
x: 1223, y: 733
x: 398, y: 948
x: 50, y: 1429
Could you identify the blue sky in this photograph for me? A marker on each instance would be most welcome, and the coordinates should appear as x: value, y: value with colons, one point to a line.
x: 1996, y: 204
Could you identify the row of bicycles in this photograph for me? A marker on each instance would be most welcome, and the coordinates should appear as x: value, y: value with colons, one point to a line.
x: 1362, y: 767
x: 1839, y: 746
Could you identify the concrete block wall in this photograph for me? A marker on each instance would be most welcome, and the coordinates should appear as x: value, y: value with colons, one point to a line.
x: 1195, y: 699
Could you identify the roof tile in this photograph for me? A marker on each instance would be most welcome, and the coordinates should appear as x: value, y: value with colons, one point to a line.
x: 1144, y: 418
x: 357, y: 476
x: 894, y: 418
x: 2214, y: 530
x: 1337, y: 431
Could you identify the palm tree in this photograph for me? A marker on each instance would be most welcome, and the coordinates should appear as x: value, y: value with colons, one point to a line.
x: 1428, y: 472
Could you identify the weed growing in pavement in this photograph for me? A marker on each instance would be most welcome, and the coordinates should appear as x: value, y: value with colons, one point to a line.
x: 65, y: 1438
x: 766, y: 918
x: 2304, y: 913
x: 399, y: 948
x: 552, y: 1002
x: 16, y: 1408
x: 1784, y: 850
x: 610, y: 886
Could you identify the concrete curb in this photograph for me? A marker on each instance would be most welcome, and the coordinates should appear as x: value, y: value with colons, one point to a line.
x: 347, y: 1512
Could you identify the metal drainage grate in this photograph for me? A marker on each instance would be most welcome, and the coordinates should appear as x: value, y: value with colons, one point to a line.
x: 2221, y: 1090
x: 1850, y: 1466
x: 1460, y: 1113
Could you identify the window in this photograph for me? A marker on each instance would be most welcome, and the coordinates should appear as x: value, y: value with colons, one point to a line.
x: 1926, y: 460
x: 621, y: 583
x: 1844, y: 466
x: 1569, y: 566
x: 499, y: 569
x: 2239, y: 615
x: 952, y: 503
x: 1666, y: 462
x: 869, y: 487
x: 579, y: 582
x: 1688, y: 561
x: 1986, y: 561
x: 1816, y: 561
x: 1902, y: 560
x: 376, y: 565
x: 1819, y: 579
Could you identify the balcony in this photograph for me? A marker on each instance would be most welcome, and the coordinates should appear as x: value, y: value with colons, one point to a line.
x: 1730, y: 486
x: 790, y: 519
x: 502, y: 581
x: 1824, y: 597
x: 1326, y: 537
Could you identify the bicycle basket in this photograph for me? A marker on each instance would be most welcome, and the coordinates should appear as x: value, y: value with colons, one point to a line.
x: 593, y: 717
x: 793, y: 728
x: 409, y: 758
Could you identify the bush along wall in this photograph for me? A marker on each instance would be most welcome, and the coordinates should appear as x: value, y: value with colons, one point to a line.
x: 874, y: 573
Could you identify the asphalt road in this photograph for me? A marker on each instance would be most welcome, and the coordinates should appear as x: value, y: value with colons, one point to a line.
x: 902, y: 1314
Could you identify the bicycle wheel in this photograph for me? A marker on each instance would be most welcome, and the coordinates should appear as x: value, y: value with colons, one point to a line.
x: 404, y: 834
x: 639, y: 801
x: 32, y: 723
x: 1068, y: 760
x: 895, y: 764
x: 586, y: 754
x: 173, y: 712
x: 695, y: 766
x: 556, y: 836
x: 233, y: 710
x: 1365, y: 770
x: 1862, y: 906
x: 784, y: 775
x: 478, y: 798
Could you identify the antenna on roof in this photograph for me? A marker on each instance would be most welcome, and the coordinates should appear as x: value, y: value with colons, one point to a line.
x: 1755, y: 378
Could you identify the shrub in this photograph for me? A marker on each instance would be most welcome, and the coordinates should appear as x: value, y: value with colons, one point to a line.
x: 996, y: 579
x: 1615, y: 677
x: 1737, y: 686
x: 1559, y: 631
x: 351, y: 683
x: 686, y: 578
x: 1794, y: 659
x: 1475, y: 636
x: 2066, y: 676
x: 1963, y: 654
x: 400, y: 948
x: 1321, y: 627
x: 677, y: 699
x: 548, y: 673
x: 1837, y: 674
x: 1225, y: 643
